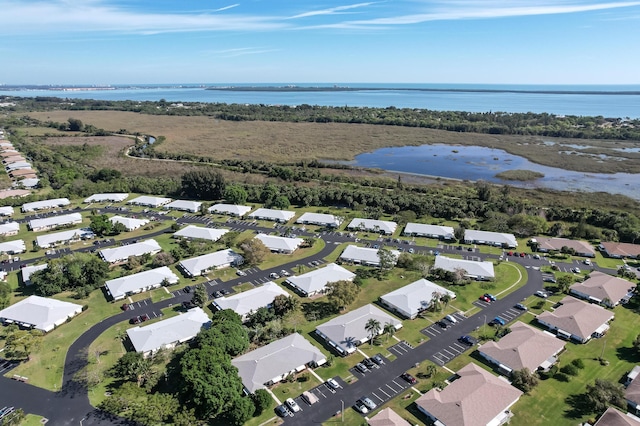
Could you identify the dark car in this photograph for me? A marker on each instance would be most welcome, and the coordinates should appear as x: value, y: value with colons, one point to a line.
x: 125, y: 307
x: 135, y: 320
x: 467, y: 340
x: 490, y: 297
x: 217, y: 294
x: 361, y: 367
x: 409, y: 378
x: 188, y: 304
x: 369, y: 363
x: 520, y: 306
x: 283, y: 411
x: 187, y: 289
x: 144, y: 318
x: 442, y: 324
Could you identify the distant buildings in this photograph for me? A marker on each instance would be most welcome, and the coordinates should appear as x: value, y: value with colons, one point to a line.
x: 148, y: 201
x: 364, y: 256
x: 110, y: 197
x: 278, y: 244
x: 315, y: 281
x: 429, y: 231
x: 581, y: 248
x: 498, y: 239
x: 249, y: 301
x: 46, y: 204
x: 481, y: 271
x: 229, y: 209
x: 603, y: 289
x: 121, y: 287
x: 410, y: 300
x: 371, y: 225
x: 320, y: 219
x: 200, y: 265
x: 41, y: 313
x: 185, y: 206
x: 280, y: 216
x: 122, y: 253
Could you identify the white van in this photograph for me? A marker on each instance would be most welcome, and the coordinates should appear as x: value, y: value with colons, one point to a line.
x: 451, y: 319
x: 309, y: 397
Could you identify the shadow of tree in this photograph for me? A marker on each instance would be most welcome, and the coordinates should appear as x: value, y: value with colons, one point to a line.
x: 578, y: 406
x: 629, y: 354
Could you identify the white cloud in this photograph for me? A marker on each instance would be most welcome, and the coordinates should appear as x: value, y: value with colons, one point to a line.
x: 231, y: 6
x: 331, y: 11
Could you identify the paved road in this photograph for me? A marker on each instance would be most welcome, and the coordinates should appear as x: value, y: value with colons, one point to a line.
x: 71, y: 405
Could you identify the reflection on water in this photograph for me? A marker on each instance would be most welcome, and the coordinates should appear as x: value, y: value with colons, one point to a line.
x: 480, y: 163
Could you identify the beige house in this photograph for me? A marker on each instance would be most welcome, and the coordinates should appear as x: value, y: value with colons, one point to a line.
x: 475, y: 398
x: 615, y: 417
x: 582, y: 248
x: 620, y: 250
x: 603, y: 289
x: 577, y: 320
x: 388, y: 417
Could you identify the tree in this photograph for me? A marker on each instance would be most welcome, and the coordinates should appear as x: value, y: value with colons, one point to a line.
x: 200, y: 296
x: 458, y: 233
x: 156, y: 409
x: 604, y: 393
x: 389, y: 329
x: 75, y: 125
x: 373, y: 328
x: 446, y: 298
x: 281, y: 202
x: 484, y: 190
x: 203, y: 184
x: 564, y: 282
x: 162, y: 259
x: 133, y: 367
x: 18, y: 343
x: 282, y: 304
x: 261, y: 400
x: 387, y: 259
x: 242, y: 408
x: 235, y: 194
x: 523, y: 380
x: 342, y: 293
x: 228, y: 336
x: 101, y: 225
x: 5, y: 294
x: 133, y: 263
x: 254, y: 251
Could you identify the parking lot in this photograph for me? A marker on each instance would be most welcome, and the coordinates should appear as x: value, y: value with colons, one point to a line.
x: 435, y: 329
x: 387, y: 391
x: 136, y: 308
x: 6, y: 365
x: 447, y: 354
x: 400, y: 348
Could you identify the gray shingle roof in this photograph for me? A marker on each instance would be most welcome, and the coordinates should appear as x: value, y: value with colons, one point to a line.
x: 473, y: 268
x: 123, y: 253
x: 120, y: 287
x: 576, y: 317
x: 201, y: 233
x: 41, y: 312
x: 251, y: 300
x: 197, y: 265
x: 415, y: 297
x: 233, y: 209
x: 373, y: 225
x: 316, y: 280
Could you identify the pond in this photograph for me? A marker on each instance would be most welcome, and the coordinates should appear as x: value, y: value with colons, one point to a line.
x: 481, y: 163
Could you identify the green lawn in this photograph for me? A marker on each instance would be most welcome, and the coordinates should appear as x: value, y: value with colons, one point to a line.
x: 284, y: 390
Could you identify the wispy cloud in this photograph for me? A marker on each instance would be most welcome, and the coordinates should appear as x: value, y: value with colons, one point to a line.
x: 231, y: 6
x: 331, y: 10
x: 240, y: 51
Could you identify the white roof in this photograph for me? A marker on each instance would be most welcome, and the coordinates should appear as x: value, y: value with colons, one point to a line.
x: 316, y: 280
x: 9, y: 227
x: 44, y: 241
x: 192, y: 206
x: 6, y: 211
x: 146, y: 200
x: 53, y: 221
x: 197, y: 265
x: 364, y: 255
x: 473, y: 268
x: 170, y: 331
x: 18, y: 165
x: 16, y: 246
x: 424, y: 229
x: 319, y: 219
x: 233, y: 209
x: 262, y: 365
x: 28, y: 270
x: 415, y: 297
x: 373, y: 225
x: 270, y: 214
x: 28, y: 183
x: 251, y: 300
x: 113, y: 196
x: 122, y: 253
x: 347, y: 330
x: 41, y: 312
x: 129, y: 222
x: 276, y: 243
x: 491, y: 237
x: 199, y: 232
x: 45, y: 204
x: 120, y: 287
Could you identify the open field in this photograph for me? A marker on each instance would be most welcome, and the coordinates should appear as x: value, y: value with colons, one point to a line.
x: 283, y: 142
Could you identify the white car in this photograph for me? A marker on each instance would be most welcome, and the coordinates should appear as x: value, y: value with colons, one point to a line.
x: 293, y: 405
x: 586, y: 262
x: 333, y: 384
x: 575, y: 270
x: 542, y: 294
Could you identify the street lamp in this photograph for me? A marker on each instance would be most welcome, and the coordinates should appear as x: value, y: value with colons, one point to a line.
x: 342, y: 410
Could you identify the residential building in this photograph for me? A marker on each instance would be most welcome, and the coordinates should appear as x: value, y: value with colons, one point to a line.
x: 27, y: 182
x: 281, y: 216
x: 168, y: 333
x: 17, y: 166
x: 430, y: 231
x: 9, y: 193
x: 22, y: 173
x: 130, y: 224
x: 525, y: 347
x: 603, y: 288
x: 193, y: 232
x: 632, y: 390
x: 149, y: 201
x: 249, y: 301
x: 480, y: 271
x: 577, y: 320
x: 63, y: 237
x: 6, y: 211
x: 8, y: 229
x: 497, y: 239
x: 387, y: 417
x: 122, y: 253
x: 113, y: 197
x: 229, y: 209
x: 547, y: 244
x: 345, y: 332
x: 13, y: 247
x: 364, y: 256
x: 278, y: 244
x: 410, y: 300
x: 184, y: 205
x: 27, y: 271
x: 41, y: 313
x: 274, y: 362
x: 475, y: 398
x: 614, y: 417
x: 372, y: 225
x: 620, y: 250
x: 200, y: 265
x: 44, y: 205
x: 314, y: 282
x: 52, y: 222
x: 121, y: 287
x: 320, y: 219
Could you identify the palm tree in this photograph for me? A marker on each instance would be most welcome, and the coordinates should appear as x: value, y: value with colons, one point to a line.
x: 446, y: 298
x: 389, y: 329
x: 373, y: 327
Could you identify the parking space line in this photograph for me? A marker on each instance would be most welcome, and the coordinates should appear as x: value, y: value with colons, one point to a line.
x: 374, y: 394
x: 397, y: 384
x: 459, y: 346
x: 392, y: 389
x: 453, y: 354
x: 387, y: 395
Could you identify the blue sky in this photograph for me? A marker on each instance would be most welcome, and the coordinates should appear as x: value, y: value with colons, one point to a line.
x: 253, y: 41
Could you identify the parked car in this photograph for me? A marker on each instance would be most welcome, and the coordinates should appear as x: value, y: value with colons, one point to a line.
x: 377, y: 359
x: 361, y: 367
x: 187, y: 304
x: 368, y: 363
x: 498, y: 321
x: 586, y: 262
x: 409, y: 378
x: 442, y: 324
x: 536, y: 256
x: 144, y: 318
x: 284, y: 273
x: 369, y: 403
x: 217, y: 294
x: 241, y: 273
x: 451, y: 319
x: 485, y: 299
x: 542, y: 294
x: 411, y: 251
x: 575, y: 270
x: 135, y: 320
x: 125, y: 307
x: 523, y: 254
x: 292, y: 405
x: 360, y: 407
x: 490, y: 297
x: 274, y: 276
x: 333, y: 384
x: 187, y: 289
x: 520, y: 306
x: 283, y: 411
x: 467, y: 340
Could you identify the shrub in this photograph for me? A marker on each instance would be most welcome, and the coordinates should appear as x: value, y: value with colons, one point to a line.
x: 578, y: 363
x: 570, y: 370
x: 561, y: 377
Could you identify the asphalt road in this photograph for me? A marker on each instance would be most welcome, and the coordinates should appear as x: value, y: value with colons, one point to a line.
x: 70, y: 405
